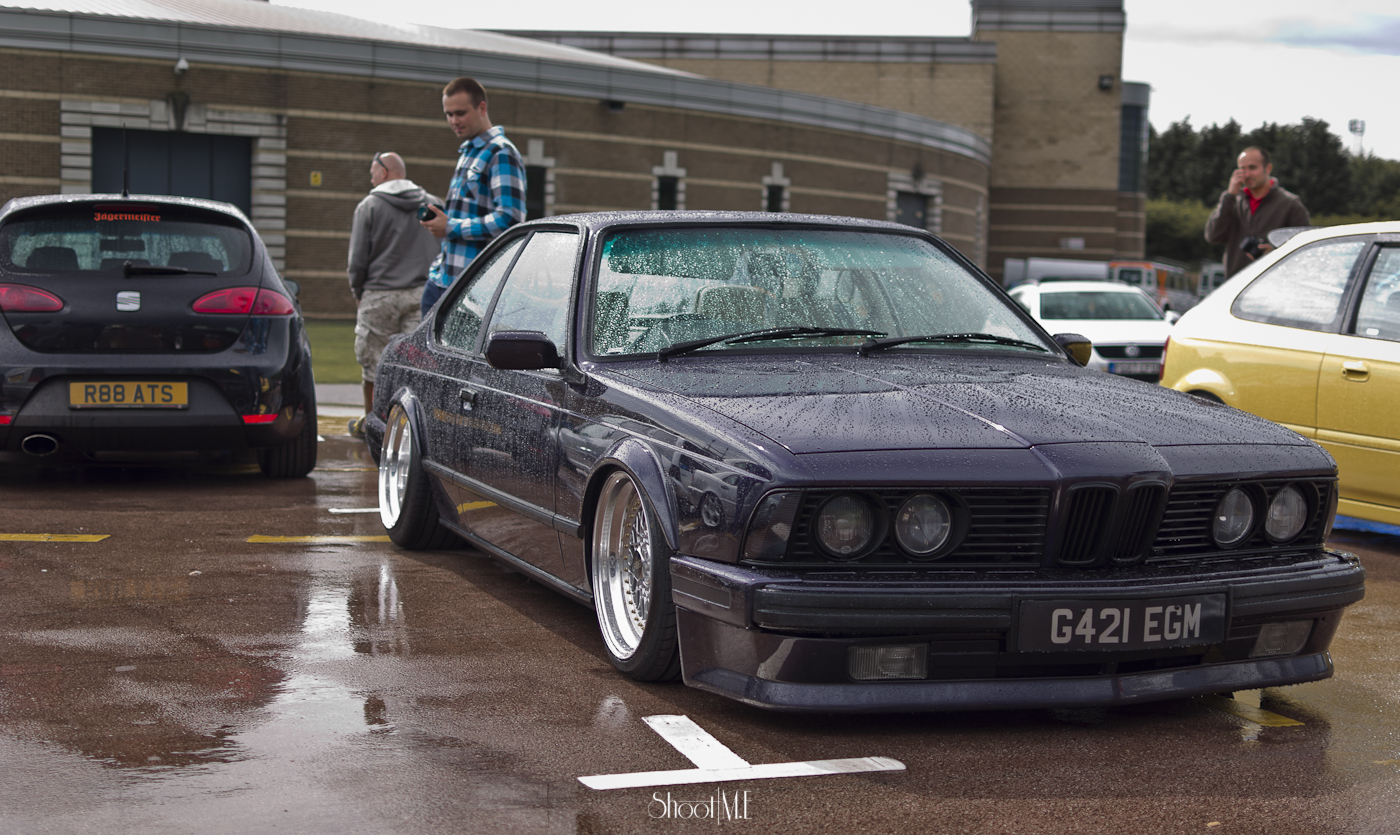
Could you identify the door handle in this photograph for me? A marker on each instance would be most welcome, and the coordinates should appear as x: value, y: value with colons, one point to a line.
x: 1355, y: 370
x: 468, y: 398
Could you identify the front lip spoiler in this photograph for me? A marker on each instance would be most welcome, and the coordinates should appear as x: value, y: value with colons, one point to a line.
x: 1008, y: 694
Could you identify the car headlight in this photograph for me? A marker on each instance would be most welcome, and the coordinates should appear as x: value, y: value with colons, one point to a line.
x: 1234, y: 518
x: 1288, y: 513
x: 845, y: 526
x: 923, y: 525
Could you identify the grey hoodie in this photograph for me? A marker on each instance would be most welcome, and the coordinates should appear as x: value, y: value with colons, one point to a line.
x: 389, y: 250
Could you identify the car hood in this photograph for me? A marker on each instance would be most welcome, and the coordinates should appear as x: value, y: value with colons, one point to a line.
x: 1114, y: 331
x: 840, y: 402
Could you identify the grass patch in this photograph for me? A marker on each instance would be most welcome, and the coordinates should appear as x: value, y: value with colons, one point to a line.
x: 333, y: 350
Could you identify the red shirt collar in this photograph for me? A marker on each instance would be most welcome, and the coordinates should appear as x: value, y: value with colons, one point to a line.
x: 1255, y: 201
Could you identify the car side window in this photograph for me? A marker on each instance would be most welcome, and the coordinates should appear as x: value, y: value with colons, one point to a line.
x: 1304, y: 290
x: 463, y: 320
x: 536, y: 295
x: 1379, y: 314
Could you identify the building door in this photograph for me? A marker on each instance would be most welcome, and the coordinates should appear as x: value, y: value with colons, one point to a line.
x: 181, y: 164
x: 911, y: 209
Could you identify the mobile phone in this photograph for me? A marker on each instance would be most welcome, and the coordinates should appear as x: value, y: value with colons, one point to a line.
x: 425, y: 212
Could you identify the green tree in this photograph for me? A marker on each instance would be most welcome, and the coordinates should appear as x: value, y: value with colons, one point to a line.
x: 1175, y: 230
x: 1172, y: 161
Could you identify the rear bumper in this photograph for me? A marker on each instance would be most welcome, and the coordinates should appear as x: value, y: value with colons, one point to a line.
x: 782, y: 642
x: 209, y: 423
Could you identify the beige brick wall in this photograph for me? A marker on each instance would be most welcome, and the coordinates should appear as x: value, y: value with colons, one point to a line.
x: 603, y: 160
x: 959, y: 94
x: 1054, y: 127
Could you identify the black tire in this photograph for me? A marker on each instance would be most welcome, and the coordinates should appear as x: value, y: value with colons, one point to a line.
x: 631, y: 575
x: 292, y: 460
x: 405, y: 497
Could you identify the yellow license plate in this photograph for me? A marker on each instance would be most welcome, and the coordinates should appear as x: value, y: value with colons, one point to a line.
x: 128, y: 395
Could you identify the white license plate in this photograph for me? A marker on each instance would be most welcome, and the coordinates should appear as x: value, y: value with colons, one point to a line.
x: 1116, y: 625
x: 1142, y: 367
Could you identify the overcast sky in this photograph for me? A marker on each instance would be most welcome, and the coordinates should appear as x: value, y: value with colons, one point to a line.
x: 1254, y: 61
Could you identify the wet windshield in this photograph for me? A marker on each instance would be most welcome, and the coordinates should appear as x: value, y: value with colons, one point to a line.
x: 1096, y: 304
x: 660, y: 287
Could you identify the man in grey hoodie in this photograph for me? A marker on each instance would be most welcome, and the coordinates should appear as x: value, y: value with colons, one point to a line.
x: 390, y: 254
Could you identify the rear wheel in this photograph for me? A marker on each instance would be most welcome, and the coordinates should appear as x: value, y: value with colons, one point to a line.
x: 632, y: 584
x: 405, y: 497
x: 292, y: 460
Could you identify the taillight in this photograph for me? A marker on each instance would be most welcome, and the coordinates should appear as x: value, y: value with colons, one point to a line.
x: 245, y: 300
x: 1162, y: 369
x: 21, y: 298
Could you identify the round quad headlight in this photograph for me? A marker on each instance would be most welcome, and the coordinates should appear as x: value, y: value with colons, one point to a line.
x: 845, y: 526
x: 923, y: 525
x: 1288, y: 513
x: 1234, y: 518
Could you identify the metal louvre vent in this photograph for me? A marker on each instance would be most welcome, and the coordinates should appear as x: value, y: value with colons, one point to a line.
x: 1088, y: 512
x: 1186, y: 522
x: 1005, y: 527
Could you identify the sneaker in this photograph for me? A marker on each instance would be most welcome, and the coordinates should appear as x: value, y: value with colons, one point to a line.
x: 357, y: 428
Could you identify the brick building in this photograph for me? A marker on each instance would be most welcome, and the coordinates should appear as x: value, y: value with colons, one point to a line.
x: 1006, y: 143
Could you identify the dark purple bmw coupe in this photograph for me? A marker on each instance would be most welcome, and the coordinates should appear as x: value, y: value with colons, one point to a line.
x: 816, y: 463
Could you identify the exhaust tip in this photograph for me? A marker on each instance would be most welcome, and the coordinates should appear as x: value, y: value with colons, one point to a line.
x: 39, y: 445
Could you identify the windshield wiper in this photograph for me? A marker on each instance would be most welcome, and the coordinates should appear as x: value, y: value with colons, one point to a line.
x: 129, y: 269
x: 869, y: 345
x: 758, y: 336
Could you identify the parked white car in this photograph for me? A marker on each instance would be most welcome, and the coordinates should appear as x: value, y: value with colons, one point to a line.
x: 1127, y: 328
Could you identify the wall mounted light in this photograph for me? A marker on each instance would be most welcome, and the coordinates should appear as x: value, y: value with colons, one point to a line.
x: 182, y: 66
x: 1105, y: 82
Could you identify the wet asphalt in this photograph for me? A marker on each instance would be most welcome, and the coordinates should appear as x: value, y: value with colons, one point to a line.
x: 184, y: 667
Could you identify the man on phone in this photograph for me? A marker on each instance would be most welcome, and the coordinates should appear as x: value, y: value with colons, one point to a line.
x: 487, y: 194
x: 1252, y: 206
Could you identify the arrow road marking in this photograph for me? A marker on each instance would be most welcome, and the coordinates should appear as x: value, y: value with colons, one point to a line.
x: 717, y: 764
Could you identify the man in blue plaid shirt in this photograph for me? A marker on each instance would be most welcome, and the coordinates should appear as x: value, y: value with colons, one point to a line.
x: 487, y: 194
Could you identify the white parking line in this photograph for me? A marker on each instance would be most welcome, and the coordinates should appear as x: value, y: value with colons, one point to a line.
x: 718, y: 764
x: 695, y: 742
x: 353, y: 509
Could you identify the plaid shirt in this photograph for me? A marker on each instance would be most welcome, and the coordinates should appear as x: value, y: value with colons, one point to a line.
x: 487, y: 196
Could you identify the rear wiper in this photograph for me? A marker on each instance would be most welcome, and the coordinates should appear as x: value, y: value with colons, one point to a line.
x: 869, y: 345
x: 759, y: 336
x: 129, y: 269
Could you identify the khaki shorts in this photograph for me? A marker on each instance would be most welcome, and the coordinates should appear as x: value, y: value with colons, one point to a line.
x: 382, y: 314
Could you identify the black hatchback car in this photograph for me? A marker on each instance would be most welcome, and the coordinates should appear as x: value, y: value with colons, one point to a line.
x: 817, y: 463
x: 148, y: 324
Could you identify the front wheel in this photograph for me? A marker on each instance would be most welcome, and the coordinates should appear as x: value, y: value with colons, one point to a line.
x: 632, y: 584
x: 405, y: 497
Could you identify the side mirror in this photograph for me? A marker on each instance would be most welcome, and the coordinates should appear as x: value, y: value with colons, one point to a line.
x: 294, y: 286
x: 1079, y: 347
x: 521, y: 351
x: 1172, y: 317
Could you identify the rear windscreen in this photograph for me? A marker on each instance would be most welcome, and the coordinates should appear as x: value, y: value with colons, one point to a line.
x: 95, y: 238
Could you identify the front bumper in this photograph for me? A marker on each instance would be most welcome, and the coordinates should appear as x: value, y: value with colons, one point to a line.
x: 782, y: 641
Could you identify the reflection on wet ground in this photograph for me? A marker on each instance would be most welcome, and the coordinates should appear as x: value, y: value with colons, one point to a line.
x: 175, y: 677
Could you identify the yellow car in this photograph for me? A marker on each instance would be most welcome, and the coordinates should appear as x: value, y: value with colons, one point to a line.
x: 1309, y: 337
